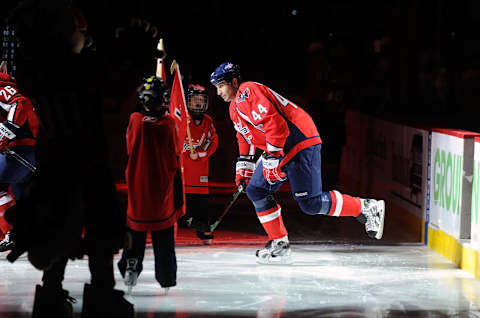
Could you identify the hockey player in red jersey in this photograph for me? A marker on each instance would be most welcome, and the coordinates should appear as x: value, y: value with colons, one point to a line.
x: 155, y: 196
x: 18, y: 130
x: 196, y: 163
x: 291, y: 145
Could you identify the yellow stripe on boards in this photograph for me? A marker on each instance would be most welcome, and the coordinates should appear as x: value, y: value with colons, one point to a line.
x: 464, y: 257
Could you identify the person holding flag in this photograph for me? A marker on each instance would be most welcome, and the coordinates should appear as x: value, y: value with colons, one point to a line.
x: 204, y: 140
x: 197, y: 142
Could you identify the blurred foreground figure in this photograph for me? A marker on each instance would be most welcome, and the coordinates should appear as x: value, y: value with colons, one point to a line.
x: 72, y: 189
x: 291, y: 145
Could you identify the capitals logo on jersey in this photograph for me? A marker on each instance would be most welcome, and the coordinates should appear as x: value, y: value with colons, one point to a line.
x: 186, y: 145
x: 243, y: 96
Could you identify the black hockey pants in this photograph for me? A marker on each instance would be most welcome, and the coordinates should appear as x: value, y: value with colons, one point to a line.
x: 163, y: 243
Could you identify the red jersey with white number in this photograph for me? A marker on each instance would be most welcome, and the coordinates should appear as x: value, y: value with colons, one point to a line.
x: 265, y: 119
x: 18, y: 109
x: 205, y: 142
x: 151, y: 169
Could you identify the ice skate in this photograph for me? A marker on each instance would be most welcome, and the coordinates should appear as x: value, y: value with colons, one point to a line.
x: 373, y: 216
x: 131, y: 274
x: 275, y: 252
x: 7, y: 243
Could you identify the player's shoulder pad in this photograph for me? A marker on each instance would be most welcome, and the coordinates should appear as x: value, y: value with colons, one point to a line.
x: 256, y: 88
x: 250, y: 85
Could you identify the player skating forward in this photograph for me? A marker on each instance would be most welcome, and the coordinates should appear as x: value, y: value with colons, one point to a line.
x: 196, y: 164
x: 154, y: 184
x: 291, y: 144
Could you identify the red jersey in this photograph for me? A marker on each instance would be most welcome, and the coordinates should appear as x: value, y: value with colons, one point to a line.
x: 151, y: 169
x: 205, y: 142
x: 18, y: 109
x: 265, y: 119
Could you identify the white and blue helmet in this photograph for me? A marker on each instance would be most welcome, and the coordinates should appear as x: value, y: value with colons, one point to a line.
x: 226, y: 72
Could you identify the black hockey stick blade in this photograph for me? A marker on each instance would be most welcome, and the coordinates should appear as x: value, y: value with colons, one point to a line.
x: 198, y: 225
x: 20, y: 159
x: 204, y: 227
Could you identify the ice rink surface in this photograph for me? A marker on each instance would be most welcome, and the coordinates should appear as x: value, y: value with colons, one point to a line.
x: 337, y: 272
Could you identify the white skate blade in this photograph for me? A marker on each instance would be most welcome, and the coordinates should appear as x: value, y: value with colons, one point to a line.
x: 279, y: 260
x: 381, y: 212
x: 130, y: 281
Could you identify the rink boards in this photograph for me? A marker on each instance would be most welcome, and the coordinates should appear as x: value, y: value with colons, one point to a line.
x: 429, y: 177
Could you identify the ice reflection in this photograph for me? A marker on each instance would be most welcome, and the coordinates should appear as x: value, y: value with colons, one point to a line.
x: 334, y: 280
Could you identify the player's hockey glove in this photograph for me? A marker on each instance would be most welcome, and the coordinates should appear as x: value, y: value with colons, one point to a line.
x: 244, y: 170
x: 7, y: 134
x: 271, y: 168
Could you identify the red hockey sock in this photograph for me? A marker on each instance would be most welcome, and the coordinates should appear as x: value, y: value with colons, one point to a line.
x: 4, y: 225
x: 272, y: 222
x: 6, y: 201
x: 344, y: 205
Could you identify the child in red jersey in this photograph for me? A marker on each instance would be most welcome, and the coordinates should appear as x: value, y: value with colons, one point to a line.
x: 196, y: 163
x: 155, y: 194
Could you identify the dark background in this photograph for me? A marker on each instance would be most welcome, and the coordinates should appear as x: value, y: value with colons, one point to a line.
x: 413, y: 61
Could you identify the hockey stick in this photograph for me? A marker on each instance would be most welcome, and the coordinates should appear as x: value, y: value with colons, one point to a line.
x: 20, y: 159
x: 202, y: 227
